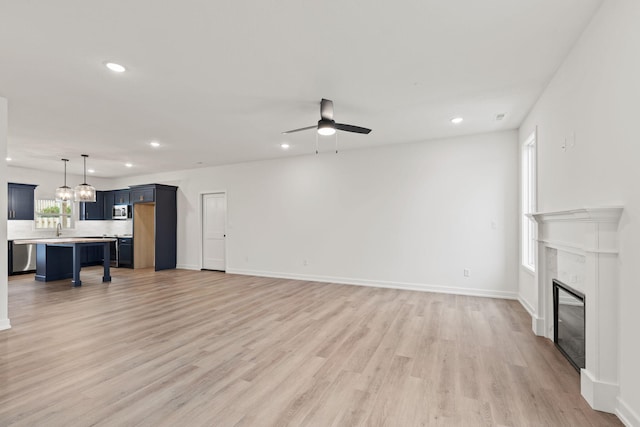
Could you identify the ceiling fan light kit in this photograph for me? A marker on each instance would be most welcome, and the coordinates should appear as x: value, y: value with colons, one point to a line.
x: 326, y: 127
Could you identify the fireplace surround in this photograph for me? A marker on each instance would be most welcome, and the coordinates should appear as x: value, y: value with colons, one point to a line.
x: 580, y: 247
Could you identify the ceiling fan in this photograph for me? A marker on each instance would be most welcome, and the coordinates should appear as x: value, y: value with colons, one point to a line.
x: 326, y: 125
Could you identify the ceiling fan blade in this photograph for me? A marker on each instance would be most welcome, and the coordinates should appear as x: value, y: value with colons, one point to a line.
x: 351, y: 128
x: 326, y: 109
x: 298, y: 130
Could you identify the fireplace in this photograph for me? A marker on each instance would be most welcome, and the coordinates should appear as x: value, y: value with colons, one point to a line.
x: 569, y: 323
x: 579, y: 247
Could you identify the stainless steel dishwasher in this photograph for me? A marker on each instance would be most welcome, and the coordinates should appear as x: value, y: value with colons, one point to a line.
x: 24, y: 258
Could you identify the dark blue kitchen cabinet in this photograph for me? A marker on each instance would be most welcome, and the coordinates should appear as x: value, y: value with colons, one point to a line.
x: 113, y: 198
x: 121, y: 197
x: 125, y: 252
x: 163, y: 198
x: 91, y: 255
x: 166, y: 226
x: 108, y: 201
x: 20, y: 201
x: 93, y: 210
x: 143, y: 193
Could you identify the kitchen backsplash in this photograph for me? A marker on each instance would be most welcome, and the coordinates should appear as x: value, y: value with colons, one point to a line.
x: 25, y: 229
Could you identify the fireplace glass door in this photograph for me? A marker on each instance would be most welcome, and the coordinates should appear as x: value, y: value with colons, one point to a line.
x: 569, y: 325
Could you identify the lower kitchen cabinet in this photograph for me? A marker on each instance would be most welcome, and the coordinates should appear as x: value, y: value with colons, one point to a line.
x: 125, y: 252
x: 91, y: 255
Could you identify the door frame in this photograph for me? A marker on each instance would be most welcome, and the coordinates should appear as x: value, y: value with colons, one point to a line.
x: 201, y: 223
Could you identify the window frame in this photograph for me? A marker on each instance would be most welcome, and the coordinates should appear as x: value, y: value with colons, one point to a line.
x: 55, y: 218
x: 528, y: 201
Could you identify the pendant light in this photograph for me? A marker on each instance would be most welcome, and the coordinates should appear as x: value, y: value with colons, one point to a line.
x: 64, y: 193
x: 84, y: 191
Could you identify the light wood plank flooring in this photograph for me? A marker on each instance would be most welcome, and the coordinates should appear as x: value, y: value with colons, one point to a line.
x: 187, y: 348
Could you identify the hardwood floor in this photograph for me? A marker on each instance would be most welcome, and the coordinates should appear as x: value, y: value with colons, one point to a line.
x: 190, y: 348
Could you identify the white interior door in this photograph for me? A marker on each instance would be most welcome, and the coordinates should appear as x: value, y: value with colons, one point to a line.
x: 214, y: 220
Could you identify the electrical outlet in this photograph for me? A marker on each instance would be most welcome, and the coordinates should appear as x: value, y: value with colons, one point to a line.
x: 466, y: 272
x: 305, y: 262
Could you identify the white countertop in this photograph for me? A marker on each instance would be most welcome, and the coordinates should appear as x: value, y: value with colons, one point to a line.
x: 62, y: 240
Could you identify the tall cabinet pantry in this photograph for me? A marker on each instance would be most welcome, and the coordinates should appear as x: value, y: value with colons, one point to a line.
x: 155, y: 223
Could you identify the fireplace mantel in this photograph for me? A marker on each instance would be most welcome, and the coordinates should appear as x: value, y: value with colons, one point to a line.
x: 601, y: 214
x: 591, y: 235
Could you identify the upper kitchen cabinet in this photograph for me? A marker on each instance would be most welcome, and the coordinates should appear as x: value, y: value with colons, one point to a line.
x: 20, y: 201
x: 144, y: 193
x: 93, y: 210
x: 121, y: 197
x: 113, y: 198
x: 155, y: 223
x: 108, y: 202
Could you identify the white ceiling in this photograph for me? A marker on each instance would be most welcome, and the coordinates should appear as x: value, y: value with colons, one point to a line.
x: 217, y: 82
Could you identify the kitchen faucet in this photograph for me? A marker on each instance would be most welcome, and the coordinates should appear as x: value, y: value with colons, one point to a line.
x: 59, y: 229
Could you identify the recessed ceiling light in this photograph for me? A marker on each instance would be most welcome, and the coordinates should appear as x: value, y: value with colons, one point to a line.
x: 154, y: 144
x: 284, y: 146
x: 457, y: 120
x: 8, y: 159
x: 117, y: 68
x: 91, y: 170
x: 129, y: 165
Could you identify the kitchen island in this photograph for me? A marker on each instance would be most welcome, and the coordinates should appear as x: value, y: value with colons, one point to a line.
x: 60, y: 258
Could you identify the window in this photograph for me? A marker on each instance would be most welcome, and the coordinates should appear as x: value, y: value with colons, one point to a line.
x: 50, y: 213
x: 528, y: 196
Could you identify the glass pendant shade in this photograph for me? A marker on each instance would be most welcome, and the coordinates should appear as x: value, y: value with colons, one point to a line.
x: 64, y: 193
x: 85, y: 192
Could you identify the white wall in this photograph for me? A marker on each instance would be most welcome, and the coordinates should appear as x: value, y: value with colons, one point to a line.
x: 595, y: 95
x: 411, y: 215
x: 4, y: 302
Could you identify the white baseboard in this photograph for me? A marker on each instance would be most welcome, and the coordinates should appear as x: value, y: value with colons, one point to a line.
x: 188, y: 267
x: 600, y: 395
x: 628, y: 417
x: 381, y: 284
x: 524, y: 303
x: 537, y: 323
x: 5, y: 324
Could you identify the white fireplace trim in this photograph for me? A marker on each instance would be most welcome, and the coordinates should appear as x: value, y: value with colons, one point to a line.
x: 593, y: 234
x: 599, y: 394
x: 577, y: 250
x: 600, y: 214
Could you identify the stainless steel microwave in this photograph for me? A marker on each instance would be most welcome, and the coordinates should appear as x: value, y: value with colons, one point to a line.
x: 120, y: 212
